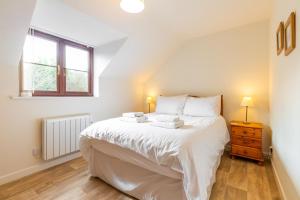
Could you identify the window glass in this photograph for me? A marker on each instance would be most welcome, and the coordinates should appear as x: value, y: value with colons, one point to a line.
x: 55, y: 66
x: 40, y: 51
x: 77, y: 81
x: 39, y: 77
x: 39, y: 64
x: 77, y: 59
x: 77, y: 66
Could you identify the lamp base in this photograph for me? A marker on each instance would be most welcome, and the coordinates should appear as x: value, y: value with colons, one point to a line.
x: 246, y: 122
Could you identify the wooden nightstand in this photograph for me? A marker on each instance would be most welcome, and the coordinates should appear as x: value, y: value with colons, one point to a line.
x: 246, y: 140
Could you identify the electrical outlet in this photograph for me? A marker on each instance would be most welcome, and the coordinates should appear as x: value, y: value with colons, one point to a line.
x: 36, y: 152
x: 271, y: 150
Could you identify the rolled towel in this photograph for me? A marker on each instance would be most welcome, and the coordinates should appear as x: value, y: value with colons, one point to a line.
x: 133, y: 114
x: 170, y: 125
x: 167, y: 118
x: 141, y: 119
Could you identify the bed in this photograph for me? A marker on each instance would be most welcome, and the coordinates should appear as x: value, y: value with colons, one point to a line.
x: 149, y: 162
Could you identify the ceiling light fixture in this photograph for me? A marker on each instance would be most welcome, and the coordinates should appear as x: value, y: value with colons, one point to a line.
x: 132, y: 6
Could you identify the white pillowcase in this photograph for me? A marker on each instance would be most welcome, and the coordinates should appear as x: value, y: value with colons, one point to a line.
x: 170, y: 105
x: 203, y: 107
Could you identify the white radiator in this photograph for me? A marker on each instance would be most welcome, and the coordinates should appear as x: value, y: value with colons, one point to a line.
x: 61, y: 135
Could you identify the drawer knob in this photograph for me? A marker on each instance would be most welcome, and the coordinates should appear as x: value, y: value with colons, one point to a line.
x: 245, y: 132
x: 245, y: 152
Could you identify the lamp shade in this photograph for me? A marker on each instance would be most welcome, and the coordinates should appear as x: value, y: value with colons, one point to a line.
x: 132, y: 6
x: 149, y: 99
x: 247, y: 101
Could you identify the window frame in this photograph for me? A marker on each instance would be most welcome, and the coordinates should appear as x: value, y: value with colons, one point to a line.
x: 60, y: 69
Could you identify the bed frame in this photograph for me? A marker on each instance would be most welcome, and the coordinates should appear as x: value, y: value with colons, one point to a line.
x: 146, y: 182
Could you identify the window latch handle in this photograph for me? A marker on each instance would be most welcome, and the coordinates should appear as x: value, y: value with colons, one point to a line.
x: 58, y: 70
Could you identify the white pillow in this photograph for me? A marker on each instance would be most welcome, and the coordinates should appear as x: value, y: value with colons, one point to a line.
x: 170, y: 105
x: 203, y: 107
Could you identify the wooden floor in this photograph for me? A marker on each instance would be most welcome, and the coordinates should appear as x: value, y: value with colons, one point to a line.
x: 236, y: 180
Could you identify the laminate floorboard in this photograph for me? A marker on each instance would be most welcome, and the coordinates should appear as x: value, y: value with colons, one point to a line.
x: 238, y: 179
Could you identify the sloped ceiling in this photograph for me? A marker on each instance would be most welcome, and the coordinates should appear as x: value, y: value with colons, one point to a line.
x: 54, y: 16
x: 14, y: 22
x: 155, y: 33
x: 189, y: 18
x: 15, y: 18
x: 148, y: 38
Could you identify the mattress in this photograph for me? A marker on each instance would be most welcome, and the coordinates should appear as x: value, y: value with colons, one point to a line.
x: 188, y: 153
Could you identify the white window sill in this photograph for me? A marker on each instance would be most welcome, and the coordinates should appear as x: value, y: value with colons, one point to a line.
x: 51, y: 98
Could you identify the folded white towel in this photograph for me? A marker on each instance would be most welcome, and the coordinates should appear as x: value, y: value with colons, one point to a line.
x: 134, y: 119
x: 170, y: 125
x: 167, y: 118
x: 133, y: 114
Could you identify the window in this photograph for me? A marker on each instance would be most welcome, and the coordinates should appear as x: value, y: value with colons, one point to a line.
x: 52, y: 66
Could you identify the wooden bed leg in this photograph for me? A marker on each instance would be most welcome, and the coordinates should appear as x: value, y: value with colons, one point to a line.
x: 232, y: 157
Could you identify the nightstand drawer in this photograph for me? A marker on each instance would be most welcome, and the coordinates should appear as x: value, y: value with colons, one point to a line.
x: 246, y: 141
x: 246, y: 151
x: 248, y: 132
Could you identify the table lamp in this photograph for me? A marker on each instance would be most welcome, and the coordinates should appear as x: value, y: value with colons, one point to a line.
x: 149, y: 102
x: 246, y: 102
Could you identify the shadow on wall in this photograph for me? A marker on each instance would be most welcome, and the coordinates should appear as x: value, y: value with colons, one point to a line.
x: 102, y: 57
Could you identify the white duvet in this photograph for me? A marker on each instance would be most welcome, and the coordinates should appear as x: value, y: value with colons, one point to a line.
x: 193, y: 150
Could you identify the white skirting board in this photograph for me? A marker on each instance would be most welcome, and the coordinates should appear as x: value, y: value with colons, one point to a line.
x: 278, y: 183
x: 36, y: 168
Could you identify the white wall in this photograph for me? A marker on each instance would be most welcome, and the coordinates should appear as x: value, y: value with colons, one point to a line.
x: 103, y: 55
x: 20, y: 120
x: 234, y: 63
x: 285, y: 104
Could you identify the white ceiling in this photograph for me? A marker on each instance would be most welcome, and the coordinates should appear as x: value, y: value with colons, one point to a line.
x: 153, y: 35
x: 194, y: 18
x: 188, y: 18
x: 159, y: 30
x: 54, y: 16
x: 14, y: 21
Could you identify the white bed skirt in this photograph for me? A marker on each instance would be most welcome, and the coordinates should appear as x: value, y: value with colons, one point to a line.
x: 157, y: 163
x: 134, y: 180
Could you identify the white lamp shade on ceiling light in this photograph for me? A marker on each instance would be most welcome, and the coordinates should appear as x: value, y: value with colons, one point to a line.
x: 132, y: 6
